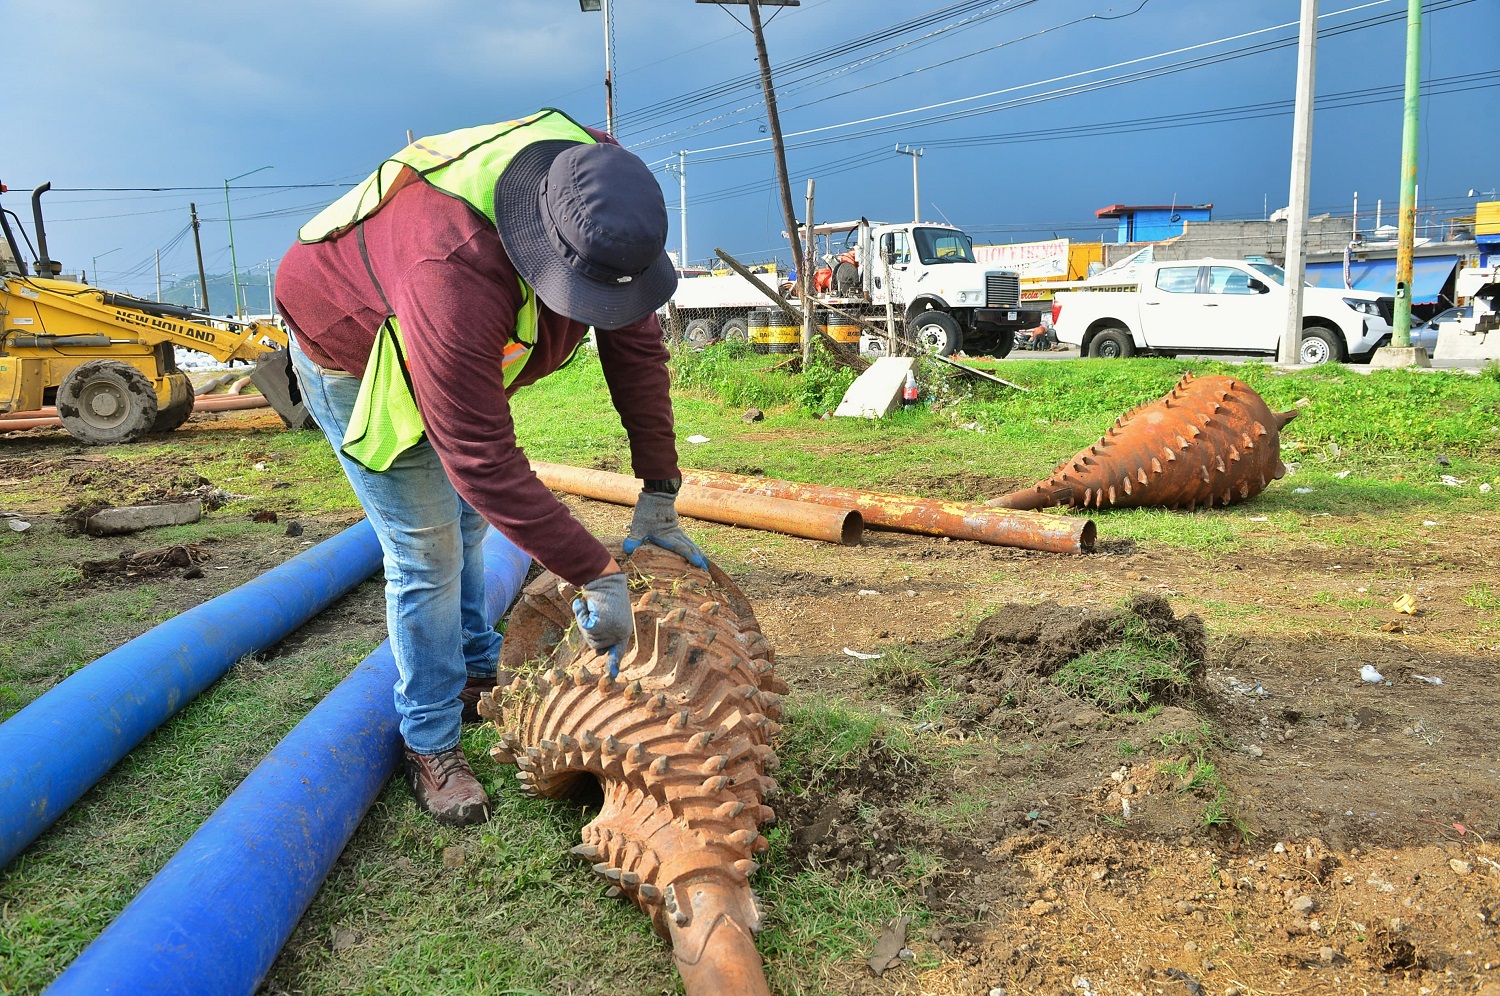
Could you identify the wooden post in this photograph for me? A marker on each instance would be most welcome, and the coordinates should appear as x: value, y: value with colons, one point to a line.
x: 809, y: 263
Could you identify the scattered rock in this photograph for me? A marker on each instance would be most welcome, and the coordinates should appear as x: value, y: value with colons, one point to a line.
x: 344, y: 938
x: 453, y: 857
x: 1460, y: 866
x: 262, y: 515
x: 1041, y: 907
x: 752, y: 415
x: 888, y: 948
x: 192, y: 574
x: 1304, y: 905
x: 134, y: 518
x: 294, y: 528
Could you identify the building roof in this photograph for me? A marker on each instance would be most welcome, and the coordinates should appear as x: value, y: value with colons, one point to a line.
x: 1119, y: 210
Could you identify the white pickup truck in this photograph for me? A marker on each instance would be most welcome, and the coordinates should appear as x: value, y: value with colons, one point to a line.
x: 1219, y: 306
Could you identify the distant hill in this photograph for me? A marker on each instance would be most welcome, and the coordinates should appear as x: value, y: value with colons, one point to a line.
x: 255, y: 296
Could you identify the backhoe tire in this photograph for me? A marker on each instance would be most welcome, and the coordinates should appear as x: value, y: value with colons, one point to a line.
x: 180, y: 409
x: 935, y: 330
x: 1112, y: 344
x: 104, y: 402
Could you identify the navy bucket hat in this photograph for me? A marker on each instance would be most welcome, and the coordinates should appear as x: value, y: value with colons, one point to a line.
x: 586, y: 227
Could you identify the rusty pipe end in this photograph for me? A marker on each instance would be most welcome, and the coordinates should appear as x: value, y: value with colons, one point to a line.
x: 1025, y: 500
x: 852, y: 530
x: 1086, y: 536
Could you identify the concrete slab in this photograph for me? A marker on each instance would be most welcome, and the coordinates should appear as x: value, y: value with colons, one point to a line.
x: 134, y: 518
x: 1458, y: 344
x: 877, y: 391
x: 1388, y: 357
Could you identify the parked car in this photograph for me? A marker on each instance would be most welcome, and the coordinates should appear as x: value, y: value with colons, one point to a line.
x: 1426, y: 334
x: 1218, y: 306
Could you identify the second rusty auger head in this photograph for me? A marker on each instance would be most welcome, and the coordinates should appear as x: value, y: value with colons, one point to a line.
x: 1210, y: 441
x: 679, y: 744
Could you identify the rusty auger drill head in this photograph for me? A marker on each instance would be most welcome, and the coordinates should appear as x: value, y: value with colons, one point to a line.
x: 1210, y: 441
x: 679, y: 743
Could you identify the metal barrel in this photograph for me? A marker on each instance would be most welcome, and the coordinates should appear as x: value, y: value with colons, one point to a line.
x: 760, y: 330
x: 843, y: 330
x: 785, y: 332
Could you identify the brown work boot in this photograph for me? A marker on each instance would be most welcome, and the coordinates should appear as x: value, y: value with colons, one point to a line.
x: 445, y: 786
x: 472, y: 689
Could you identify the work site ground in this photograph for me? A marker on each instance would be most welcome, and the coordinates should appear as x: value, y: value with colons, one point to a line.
x: 1212, y: 756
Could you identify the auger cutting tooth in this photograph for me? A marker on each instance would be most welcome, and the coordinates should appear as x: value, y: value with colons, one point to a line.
x: 534, y: 753
x: 758, y: 720
x: 1234, y: 454
x: 1219, y: 464
x: 1125, y: 483
x: 611, y: 745
x: 602, y: 868
x: 583, y: 676
x: 1194, y: 431
x: 747, y: 866
x: 1207, y: 477
x: 715, y: 764
x: 659, y: 701
x: 559, y: 676
x: 1182, y: 444
x: 1111, y: 494
x: 613, y: 892
x: 607, y: 685
x: 517, y: 683
x: 648, y: 892
x: 660, y: 765
x: 1155, y: 468
x: 636, y: 754
x: 546, y: 745
x: 700, y: 740
x: 588, y: 741
x: 741, y: 838
x: 1168, y: 454
x: 768, y: 700
x: 729, y: 810
x: 613, y: 874
x: 501, y: 755
x: 679, y: 720
x: 1140, y: 473
x: 565, y: 742
x: 716, y: 783
x: 630, y: 879
x: 587, y: 852
x: 709, y: 609
x: 759, y: 845
x: 633, y: 692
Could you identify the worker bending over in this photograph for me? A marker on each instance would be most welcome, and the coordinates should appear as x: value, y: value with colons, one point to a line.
x: 469, y: 265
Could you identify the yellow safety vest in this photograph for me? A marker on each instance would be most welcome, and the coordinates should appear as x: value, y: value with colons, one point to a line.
x: 464, y: 164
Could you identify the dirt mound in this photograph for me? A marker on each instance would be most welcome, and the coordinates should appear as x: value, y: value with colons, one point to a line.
x: 1048, y: 655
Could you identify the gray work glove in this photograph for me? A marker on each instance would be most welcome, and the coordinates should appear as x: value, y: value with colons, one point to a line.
x: 604, y: 613
x: 655, y: 522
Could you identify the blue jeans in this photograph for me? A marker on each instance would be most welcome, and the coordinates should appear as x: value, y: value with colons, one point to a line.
x: 434, y: 568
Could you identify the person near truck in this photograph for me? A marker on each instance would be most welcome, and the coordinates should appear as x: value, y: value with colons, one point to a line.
x: 470, y: 265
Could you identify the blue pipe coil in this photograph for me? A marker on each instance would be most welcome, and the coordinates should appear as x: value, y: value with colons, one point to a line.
x: 55, y: 749
x: 213, y: 919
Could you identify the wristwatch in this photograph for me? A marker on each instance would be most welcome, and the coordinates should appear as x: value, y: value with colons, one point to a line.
x: 666, y: 486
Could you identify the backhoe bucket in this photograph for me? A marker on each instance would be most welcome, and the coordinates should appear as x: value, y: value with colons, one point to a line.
x: 275, y: 379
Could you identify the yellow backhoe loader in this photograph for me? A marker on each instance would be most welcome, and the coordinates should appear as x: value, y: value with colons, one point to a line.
x: 108, y: 361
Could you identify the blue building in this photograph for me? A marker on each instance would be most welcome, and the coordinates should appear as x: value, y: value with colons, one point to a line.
x: 1153, y: 222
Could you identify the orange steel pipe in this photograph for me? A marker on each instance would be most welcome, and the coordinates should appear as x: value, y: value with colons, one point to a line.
x: 929, y: 516
x: 795, y: 518
x: 47, y: 417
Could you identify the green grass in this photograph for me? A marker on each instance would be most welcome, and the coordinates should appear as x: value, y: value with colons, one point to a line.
x: 1142, y: 668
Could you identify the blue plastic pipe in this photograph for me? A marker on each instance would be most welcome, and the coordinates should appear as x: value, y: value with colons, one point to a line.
x: 213, y: 919
x: 55, y: 749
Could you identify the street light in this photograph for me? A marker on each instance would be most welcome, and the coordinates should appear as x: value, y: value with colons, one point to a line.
x: 233, y: 265
x: 96, y: 259
x: 588, y: 7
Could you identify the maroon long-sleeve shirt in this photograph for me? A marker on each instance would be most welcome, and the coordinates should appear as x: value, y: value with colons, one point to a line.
x: 455, y: 292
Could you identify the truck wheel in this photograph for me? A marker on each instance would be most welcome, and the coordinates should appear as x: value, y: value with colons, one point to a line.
x: 1318, y: 346
x: 177, y: 412
x: 700, y: 332
x: 937, y: 331
x: 1112, y: 344
x: 105, y: 401
x: 1004, y: 343
x: 735, y: 329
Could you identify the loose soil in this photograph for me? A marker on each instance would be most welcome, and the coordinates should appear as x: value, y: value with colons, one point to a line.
x: 1341, y: 838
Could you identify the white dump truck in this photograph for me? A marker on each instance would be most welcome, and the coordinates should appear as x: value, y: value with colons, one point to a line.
x: 942, y: 298
x: 1219, y: 306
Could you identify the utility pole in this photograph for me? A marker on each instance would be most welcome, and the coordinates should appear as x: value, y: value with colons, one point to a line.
x: 158, y: 276
x: 270, y: 291
x: 198, y: 247
x: 1401, y: 338
x: 1296, y: 227
x: 804, y: 281
x: 916, y: 200
x: 681, y: 170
